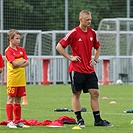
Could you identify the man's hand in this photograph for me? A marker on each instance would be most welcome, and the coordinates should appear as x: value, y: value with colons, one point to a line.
x: 75, y: 58
x: 93, y: 63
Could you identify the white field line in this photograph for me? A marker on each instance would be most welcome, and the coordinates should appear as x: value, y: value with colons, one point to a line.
x: 37, y: 110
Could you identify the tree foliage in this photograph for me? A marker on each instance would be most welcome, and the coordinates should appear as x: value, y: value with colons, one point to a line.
x: 50, y: 14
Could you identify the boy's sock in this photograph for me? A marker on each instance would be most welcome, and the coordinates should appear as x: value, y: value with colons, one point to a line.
x: 17, y: 112
x: 9, y: 112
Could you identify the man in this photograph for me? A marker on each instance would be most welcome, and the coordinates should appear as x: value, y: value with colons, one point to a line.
x: 82, y: 40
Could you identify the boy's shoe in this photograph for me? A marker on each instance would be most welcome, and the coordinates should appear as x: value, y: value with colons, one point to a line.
x: 11, y: 125
x: 22, y: 125
x: 103, y: 123
x: 81, y: 123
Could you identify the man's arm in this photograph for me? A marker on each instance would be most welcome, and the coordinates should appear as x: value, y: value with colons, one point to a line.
x: 62, y: 51
x: 0, y: 70
x: 94, y: 61
x: 96, y: 54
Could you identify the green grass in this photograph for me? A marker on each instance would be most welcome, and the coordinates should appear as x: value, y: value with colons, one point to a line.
x: 42, y: 100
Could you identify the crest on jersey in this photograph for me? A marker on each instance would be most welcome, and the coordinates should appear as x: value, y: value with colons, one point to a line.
x: 91, y: 38
x: 80, y: 40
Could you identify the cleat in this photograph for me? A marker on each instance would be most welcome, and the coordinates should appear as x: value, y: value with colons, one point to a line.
x: 103, y: 123
x: 11, y: 125
x: 22, y: 125
x: 81, y: 123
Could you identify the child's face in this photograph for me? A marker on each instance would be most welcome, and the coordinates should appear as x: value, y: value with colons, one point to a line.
x: 16, y: 40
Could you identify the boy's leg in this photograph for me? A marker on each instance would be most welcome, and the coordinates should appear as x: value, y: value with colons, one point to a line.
x: 17, y: 112
x: 9, y: 112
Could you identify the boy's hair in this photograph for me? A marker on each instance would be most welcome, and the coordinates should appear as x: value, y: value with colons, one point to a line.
x: 12, y: 32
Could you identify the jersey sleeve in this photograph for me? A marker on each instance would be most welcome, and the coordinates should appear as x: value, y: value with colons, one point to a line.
x: 24, y: 54
x: 96, y: 41
x: 9, y: 55
x: 1, y: 61
x: 67, y: 40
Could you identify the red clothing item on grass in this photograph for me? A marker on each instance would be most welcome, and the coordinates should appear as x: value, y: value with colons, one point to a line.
x: 56, y: 123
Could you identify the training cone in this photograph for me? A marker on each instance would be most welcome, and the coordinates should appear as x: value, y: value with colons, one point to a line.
x: 112, y: 102
x: 24, y: 100
x: 76, y: 128
x: 104, y: 98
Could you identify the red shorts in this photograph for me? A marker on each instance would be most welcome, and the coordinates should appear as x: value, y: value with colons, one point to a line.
x: 16, y: 91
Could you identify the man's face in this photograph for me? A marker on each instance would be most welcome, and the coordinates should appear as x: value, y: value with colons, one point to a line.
x: 86, y: 20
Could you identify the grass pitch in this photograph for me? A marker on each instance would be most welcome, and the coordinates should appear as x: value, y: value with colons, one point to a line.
x: 42, y: 100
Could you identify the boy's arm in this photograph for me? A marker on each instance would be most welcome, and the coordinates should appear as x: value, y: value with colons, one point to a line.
x: 20, y: 63
x: 26, y: 63
x: 17, y: 63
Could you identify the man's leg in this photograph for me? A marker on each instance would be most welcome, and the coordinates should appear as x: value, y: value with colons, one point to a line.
x: 76, y: 105
x: 95, y: 104
x: 95, y: 108
x: 77, y: 108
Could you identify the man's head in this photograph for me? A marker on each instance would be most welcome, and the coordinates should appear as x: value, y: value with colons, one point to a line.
x: 85, y: 18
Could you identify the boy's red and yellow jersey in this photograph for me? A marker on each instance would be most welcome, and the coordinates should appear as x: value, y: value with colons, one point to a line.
x: 15, y: 76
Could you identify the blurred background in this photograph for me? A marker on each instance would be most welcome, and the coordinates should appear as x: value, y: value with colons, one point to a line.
x: 47, y: 15
x: 44, y: 22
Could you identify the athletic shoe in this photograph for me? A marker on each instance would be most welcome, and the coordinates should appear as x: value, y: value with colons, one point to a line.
x: 11, y: 125
x: 103, y: 123
x: 22, y: 125
x: 81, y: 123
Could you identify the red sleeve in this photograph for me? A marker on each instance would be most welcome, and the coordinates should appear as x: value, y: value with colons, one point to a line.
x: 1, y: 61
x: 96, y: 43
x: 24, y: 54
x: 9, y: 55
x: 67, y: 40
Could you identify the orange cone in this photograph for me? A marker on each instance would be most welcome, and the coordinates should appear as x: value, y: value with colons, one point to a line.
x: 24, y: 100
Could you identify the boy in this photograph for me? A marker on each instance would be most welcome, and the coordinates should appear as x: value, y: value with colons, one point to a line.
x: 17, y: 60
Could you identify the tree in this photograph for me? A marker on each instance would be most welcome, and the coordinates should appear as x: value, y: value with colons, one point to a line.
x: 48, y: 15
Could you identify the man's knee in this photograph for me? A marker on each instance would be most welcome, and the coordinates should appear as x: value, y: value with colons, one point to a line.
x: 76, y: 94
x: 94, y: 93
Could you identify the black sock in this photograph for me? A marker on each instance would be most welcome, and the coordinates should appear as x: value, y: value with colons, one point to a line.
x: 78, y: 115
x: 96, y: 115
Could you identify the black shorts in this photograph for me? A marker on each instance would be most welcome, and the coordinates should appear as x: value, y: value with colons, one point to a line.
x: 80, y: 81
